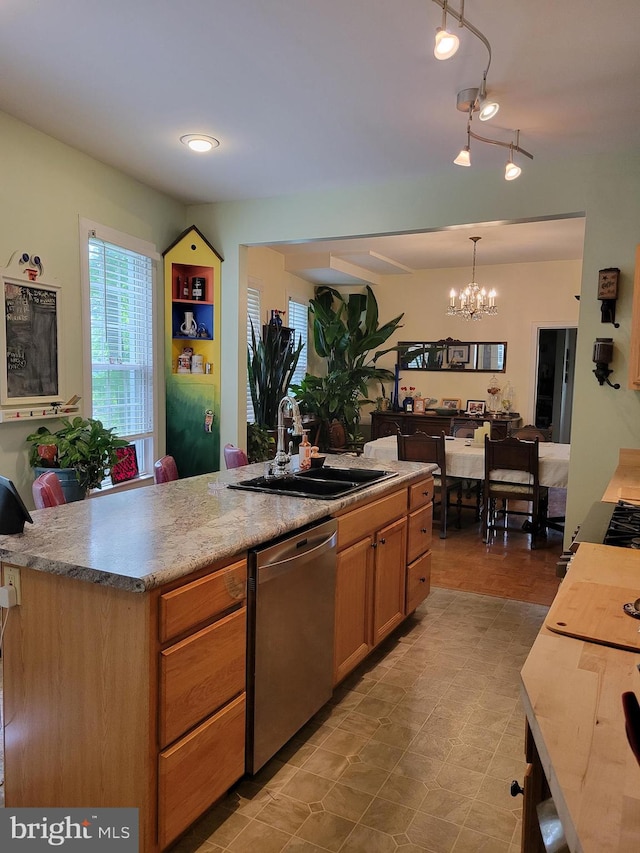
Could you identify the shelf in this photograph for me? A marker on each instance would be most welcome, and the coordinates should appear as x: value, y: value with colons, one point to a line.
x: 193, y: 340
x: 192, y: 301
x: 36, y: 413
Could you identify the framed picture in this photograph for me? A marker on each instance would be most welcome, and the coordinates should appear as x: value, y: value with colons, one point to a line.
x: 418, y: 405
x: 458, y: 354
x: 475, y: 407
x: 126, y: 468
x: 29, y: 335
x: 452, y: 403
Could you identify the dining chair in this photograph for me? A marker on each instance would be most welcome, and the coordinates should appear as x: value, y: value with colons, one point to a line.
x: 235, y: 457
x: 165, y: 470
x: 47, y: 491
x: 529, y: 432
x: 421, y: 447
x: 515, y: 455
x: 463, y: 428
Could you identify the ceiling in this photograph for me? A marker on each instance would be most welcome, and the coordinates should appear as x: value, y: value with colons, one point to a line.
x: 313, y: 95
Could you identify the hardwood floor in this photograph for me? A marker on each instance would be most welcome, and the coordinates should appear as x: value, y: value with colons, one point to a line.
x: 507, y: 567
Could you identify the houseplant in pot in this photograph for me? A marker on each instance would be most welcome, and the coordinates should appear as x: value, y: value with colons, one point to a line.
x: 80, y: 453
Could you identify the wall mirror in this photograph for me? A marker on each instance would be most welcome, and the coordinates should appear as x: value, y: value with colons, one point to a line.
x: 451, y: 354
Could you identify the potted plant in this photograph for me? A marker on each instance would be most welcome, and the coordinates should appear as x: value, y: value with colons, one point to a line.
x: 346, y: 332
x: 261, y: 445
x: 271, y: 363
x: 81, y: 453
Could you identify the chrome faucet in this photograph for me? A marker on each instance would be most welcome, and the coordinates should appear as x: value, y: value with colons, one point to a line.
x: 283, y: 457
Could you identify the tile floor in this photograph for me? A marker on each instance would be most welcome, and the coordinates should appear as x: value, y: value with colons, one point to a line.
x: 415, y: 752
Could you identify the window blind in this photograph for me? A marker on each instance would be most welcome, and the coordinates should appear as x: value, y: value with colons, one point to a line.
x: 253, y: 317
x: 299, y: 321
x: 121, y: 305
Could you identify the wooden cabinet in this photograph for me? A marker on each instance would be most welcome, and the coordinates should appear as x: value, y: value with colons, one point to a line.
x: 634, y: 350
x: 192, y: 269
x: 388, y: 423
x: 383, y: 570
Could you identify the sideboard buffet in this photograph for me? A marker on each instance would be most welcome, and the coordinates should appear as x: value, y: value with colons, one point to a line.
x: 389, y: 422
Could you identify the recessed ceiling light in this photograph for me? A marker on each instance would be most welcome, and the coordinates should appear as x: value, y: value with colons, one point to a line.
x: 200, y: 143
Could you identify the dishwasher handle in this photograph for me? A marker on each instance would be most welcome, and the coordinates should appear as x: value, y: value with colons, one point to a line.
x: 293, y: 555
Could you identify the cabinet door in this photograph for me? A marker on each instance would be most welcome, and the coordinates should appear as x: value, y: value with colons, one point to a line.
x: 634, y: 352
x: 389, y: 578
x: 418, y: 581
x: 354, y: 589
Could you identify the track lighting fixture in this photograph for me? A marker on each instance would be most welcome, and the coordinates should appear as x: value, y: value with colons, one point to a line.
x: 477, y: 100
x: 446, y: 43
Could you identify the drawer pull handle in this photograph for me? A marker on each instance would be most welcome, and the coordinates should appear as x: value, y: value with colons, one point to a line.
x: 374, y: 544
x: 383, y: 541
x: 516, y: 788
x: 424, y: 530
x: 423, y: 580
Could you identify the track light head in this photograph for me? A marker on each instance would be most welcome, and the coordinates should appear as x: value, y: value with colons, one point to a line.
x: 446, y: 44
x: 464, y: 157
x: 512, y: 171
x: 487, y: 109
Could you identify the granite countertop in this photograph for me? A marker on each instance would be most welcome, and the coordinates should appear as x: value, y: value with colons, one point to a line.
x: 142, y: 538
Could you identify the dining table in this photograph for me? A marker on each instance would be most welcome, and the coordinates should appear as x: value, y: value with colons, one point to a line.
x: 465, y: 459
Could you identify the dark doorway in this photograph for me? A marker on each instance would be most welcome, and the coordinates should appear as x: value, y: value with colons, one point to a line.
x: 554, y: 385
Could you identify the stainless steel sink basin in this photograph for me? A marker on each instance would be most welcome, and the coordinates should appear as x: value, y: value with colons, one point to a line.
x: 318, y: 483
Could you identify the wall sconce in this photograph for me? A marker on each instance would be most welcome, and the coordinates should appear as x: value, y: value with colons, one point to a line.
x: 608, y: 293
x: 602, y: 355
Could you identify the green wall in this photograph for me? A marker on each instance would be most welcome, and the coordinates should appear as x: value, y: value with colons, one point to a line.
x: 606, y: 190
x: 46, y: 186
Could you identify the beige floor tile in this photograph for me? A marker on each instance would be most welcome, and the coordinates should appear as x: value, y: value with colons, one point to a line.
x: 447, y: 805
x: 470, y: 841
x: 388, y: 817
x: 299, y: 845
x: 347, y: 802
x: 496, y: 792
x: 403, y: 790
x: 327, y: 830
x: 460, y: 780
x: 220, y: 827
x: 377, y: 709
x: 419, y: 767
x: 363, y: 839
x: 259, y: 836
x: 364, y: 777
x: 435, y: 834
x: 284, y: 813
x: 497, y: 823
x: 327, y: 764
x: 307, y: 787
x: 345, y: 743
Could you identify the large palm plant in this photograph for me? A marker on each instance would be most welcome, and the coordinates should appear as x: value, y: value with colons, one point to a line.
x: 347, y: 333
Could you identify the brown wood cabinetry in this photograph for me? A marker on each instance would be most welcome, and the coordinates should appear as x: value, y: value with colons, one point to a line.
x: 634, y: 350
x: 127, y: 698
x: 388, y: 423
x: 383, y: 570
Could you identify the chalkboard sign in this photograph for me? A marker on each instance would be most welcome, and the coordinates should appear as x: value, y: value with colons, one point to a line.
x: 29, y: 337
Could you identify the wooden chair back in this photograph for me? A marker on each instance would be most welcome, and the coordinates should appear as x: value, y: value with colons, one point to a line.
x: 511, y: 454
x: 421, y: 447
x: 530, y: 432
x: 234, y: 457
x: 463, y: 428
x: 47, y: 491
x: 165, y: 470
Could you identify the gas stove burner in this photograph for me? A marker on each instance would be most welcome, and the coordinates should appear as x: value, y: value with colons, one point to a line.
x: 624, y: 526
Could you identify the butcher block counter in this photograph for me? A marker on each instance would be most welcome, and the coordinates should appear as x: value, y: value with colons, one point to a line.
x: 585, y: 657
x: 124, y: 663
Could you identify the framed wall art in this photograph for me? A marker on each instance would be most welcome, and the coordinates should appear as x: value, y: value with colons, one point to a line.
x: 475, y: 407
x: 418, y: 405
x: 29, y: 335
x: 452, y: 403
x: 458, y: 354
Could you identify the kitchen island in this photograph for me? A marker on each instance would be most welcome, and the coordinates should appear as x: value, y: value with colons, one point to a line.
x: 124, y: 665
x: 572, y: 683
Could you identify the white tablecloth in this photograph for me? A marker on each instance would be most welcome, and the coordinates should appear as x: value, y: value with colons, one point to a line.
x: 467, y: 460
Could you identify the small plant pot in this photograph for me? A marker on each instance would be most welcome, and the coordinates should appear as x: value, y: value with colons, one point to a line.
x: 71, y: 488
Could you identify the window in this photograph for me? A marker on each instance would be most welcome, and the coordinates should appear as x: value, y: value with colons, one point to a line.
x: 120, y: 301
x: 299, y: 321
x: 253, y: 318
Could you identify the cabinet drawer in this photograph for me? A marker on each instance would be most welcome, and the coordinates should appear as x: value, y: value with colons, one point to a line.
x: 418, y: 581
x: 421, y: 493
x: 201, y: 673
x: 369, y: 518
x: 194, y: 603
x: 419, y: 539
x: 198, y: 769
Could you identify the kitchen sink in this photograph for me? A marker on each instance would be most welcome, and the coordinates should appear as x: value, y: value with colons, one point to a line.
x: 319, y: 483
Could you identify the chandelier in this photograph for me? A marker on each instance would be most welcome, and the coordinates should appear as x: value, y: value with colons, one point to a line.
x: 473, y: 301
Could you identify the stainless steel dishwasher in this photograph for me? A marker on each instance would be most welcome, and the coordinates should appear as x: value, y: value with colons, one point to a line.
x: 290, y: 600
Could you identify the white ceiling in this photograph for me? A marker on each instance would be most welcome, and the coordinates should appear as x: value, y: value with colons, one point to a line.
x: 310, y: 95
